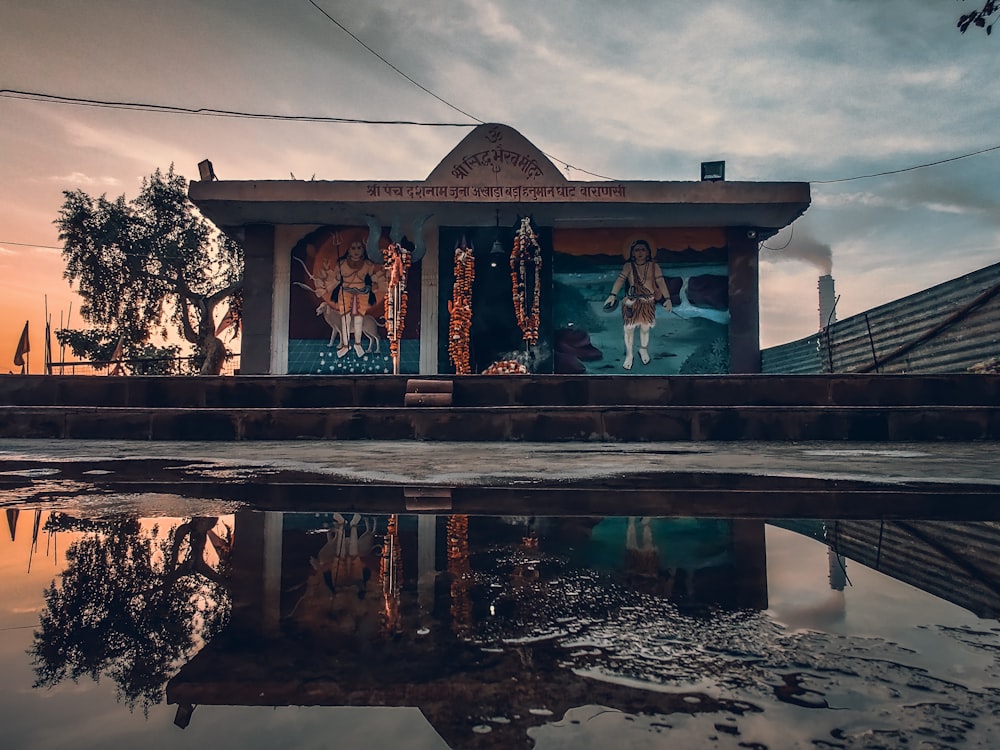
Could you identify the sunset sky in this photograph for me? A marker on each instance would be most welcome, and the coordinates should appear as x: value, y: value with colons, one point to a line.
x: 781, y: 90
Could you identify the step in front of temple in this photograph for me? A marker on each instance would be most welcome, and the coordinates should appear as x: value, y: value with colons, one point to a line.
x: 504, y: 423
x: 504, y: 408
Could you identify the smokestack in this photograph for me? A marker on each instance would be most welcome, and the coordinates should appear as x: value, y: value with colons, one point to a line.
x: 827, y: 302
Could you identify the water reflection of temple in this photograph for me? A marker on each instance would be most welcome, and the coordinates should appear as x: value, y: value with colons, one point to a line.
x: 459, y: 616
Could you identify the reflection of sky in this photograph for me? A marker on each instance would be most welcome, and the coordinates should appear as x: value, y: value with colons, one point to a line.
x: 86, y: 714
x: 895, y: 628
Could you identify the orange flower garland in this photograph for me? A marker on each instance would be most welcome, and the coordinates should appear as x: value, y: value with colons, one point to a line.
x: 506, y: 367
x: 460, y: 308
x: 396, y: 261
x: 525, y: 266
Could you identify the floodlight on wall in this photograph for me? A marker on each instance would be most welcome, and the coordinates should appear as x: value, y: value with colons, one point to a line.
x: 713, y: 171
x: 206, y: 171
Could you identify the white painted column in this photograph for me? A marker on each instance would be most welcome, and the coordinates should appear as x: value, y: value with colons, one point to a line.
x: 279, y: 303
x: 270, y: 608
x: 285, y: 238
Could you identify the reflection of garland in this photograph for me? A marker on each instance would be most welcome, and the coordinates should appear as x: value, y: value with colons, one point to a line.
x: 460, y: 573
x: 525, y: 265
x: 396, y: 260
x: 391, y: 570
x: 460, y: 308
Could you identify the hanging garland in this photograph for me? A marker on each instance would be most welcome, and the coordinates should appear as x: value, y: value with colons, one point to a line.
x: 525, y: 265
x: 396, y: 261
x: 460, y: 308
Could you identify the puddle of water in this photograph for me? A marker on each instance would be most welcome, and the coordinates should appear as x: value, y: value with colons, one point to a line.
x: 261, y: 629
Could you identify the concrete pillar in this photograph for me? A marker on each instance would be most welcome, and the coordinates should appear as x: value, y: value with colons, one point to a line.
x: 750, y: 556
x: 429, y: 291
x: 271, y: 583
x: 258, y: 296
x: 744, y: 301
x: 285, y: 238
x: 426, y: 560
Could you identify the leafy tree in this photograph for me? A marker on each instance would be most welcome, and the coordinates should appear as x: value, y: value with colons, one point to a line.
x: 128, y: 607
x: 146, y: 266
x: 980, y: 17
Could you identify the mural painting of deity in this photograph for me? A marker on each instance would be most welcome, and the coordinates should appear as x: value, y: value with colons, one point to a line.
x: 671, y: 293
x: 645, y: 287
x: 338, y: 298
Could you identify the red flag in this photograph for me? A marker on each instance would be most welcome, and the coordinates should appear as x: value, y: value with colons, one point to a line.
x: 118, y: 369
x: 228, y: 320
x: 48, y: 349
x: 23, y: 347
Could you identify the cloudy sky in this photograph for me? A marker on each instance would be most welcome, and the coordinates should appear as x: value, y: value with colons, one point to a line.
x: 781, y: 90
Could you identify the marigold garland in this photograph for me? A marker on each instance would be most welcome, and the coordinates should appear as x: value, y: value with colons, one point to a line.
x: 460, y: 308
x: 506, y: 367
x: 525, y: 266
x: 396, y: 261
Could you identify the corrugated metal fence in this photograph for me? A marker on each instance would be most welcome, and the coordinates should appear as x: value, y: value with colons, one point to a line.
x: 947, y: 328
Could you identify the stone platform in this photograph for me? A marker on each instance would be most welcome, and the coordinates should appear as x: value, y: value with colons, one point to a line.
x: 533, y: 408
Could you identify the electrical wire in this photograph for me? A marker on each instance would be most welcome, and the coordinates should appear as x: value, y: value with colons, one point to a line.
x: 420, y: 86
x: 907, y: 169
x: 791, y: 234
x: 37, y: 96
x: 211, y: 112
x: 29, y: 244
x: 423, y: 88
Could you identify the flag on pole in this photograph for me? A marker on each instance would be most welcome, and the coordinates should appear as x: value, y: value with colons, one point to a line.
x: 118, y: 369
x: 23, y: 347
x: 228, y: 320
x: 48, y: 349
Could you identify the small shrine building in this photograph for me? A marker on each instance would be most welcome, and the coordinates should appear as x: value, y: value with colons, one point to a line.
x: 497, y: 261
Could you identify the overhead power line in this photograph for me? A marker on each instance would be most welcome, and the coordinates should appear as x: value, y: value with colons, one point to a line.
x: 30, y: 244
x: 423, y: 88
x: 420, y: 86
x: 908, y: 169
x: 211, y: 112
x: 38, y: 96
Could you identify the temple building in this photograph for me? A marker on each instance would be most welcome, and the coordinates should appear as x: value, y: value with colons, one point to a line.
x: 497, y: 261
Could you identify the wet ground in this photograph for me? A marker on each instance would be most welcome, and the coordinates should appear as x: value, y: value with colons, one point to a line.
x: 154, y: 595
x: 485, y: 464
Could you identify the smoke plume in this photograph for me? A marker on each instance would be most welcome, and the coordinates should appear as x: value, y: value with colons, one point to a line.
x: 802, y: 247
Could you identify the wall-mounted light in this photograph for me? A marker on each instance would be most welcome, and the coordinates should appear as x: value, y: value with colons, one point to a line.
x: 713, y: 171
x: 206, y: 171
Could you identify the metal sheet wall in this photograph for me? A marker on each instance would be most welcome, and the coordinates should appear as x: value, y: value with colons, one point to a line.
x: 947, y: 328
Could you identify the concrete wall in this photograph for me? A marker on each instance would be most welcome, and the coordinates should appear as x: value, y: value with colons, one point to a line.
x: 947, y: 328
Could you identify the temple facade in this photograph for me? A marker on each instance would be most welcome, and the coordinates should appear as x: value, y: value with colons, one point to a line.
x: 495, y: 263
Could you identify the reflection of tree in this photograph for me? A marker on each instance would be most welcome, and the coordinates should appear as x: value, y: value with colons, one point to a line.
x: 130, y: 606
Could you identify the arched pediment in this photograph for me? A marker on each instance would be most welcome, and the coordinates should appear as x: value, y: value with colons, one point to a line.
x: 492, y: 155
